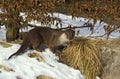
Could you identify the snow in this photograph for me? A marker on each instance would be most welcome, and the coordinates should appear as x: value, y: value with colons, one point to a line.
x: 2, y: 33
x: 29, y: 68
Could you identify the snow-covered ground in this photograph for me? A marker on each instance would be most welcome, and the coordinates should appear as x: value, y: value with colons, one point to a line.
x: 29, y: 68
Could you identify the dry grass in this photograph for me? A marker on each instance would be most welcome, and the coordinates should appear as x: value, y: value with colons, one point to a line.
x: 83, y: 54
x: 5, y: 68
x: 44, y: 77
x: 35, y: 55
x: 5, y: 44
x: 94, y: 57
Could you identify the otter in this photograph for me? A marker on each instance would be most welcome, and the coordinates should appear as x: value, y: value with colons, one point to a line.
x: 41, y: 38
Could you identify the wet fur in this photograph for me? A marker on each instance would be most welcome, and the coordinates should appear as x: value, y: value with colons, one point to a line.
x: 44, y: 37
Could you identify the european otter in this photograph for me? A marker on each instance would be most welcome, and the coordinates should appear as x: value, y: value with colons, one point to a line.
x: 40, y: 38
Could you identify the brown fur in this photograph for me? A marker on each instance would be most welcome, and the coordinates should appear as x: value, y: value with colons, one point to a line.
x: 44, y: 37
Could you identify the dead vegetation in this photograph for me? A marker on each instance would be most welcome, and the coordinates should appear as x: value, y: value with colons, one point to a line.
x: 44, y: 77
x: 103, y: 10
x: 5, y: 68
x: 84, y: 55
x: 94, y: 57
x: 35, y: 55
x: 5, y: 44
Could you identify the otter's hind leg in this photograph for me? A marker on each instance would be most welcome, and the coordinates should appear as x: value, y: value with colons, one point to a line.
x: 38, y: 44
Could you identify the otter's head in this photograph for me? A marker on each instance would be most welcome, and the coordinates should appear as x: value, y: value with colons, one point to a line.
x: 66, y: 36
x: 70, y: 34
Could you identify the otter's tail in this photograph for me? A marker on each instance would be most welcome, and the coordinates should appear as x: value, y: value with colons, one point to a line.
x: 21, y: 49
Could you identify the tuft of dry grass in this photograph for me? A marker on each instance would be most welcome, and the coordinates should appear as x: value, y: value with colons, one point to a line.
x: 44, y: 77
x: 35, y: 55
x: 5, y: 44
x: 83, y: 54
x: 5, y: 68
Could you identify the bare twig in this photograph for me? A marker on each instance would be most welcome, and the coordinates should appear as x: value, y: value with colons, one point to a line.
x: 69, y: 27
x: 74, y: 27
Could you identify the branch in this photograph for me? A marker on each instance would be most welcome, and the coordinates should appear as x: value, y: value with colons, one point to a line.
x: 31, y: 25
x: 74, y: 27
x: 69, y: 27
